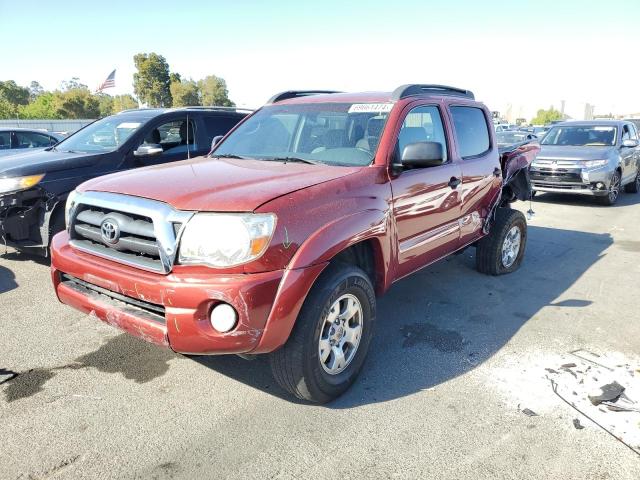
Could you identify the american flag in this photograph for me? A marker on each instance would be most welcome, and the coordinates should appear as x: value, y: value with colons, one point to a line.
x: 110, y: 82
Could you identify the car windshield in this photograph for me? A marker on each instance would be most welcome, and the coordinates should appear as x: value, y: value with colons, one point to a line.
x: 581, y: 135
x: 102, y: 136
x: 509, y: 138
x: 341, y: 134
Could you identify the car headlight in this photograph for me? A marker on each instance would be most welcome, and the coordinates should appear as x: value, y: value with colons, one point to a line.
x: 15, y: 184
x: 225, y: 239
x: 68, y: 206
x: 593, y: 163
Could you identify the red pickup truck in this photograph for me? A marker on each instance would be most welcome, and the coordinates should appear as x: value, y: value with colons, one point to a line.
x: 280, y: 240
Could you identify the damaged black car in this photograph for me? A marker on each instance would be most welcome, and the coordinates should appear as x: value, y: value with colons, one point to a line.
x: 34, y: 186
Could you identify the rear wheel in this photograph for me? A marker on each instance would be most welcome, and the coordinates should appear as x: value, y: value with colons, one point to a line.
x: 502, y: 250
x: 330, y: 339
x: 614, y: 191
x: 633, y: 187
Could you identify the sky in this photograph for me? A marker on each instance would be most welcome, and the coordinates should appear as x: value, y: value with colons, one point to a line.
x: 516, y: 56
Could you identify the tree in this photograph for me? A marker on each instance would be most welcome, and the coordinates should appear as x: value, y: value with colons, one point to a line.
x: 35, y: 90
x: 544, y: 117
x: 14, y: 93
x: 151, y: 82
x: 43, y: 107
x: 77, y: 103
x: 213, y: 91
x: 105, y: 104
x: 7, y: 110
x: 185, y: 93
x: 66, y: 85
x: 124, y: 102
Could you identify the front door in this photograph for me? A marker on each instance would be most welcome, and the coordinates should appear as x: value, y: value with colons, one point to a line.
x: 426, y: 203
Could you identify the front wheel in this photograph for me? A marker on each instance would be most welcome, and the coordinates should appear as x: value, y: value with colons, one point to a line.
x: 330, y: 339
x: 502, y: 250
x: 614, y: 191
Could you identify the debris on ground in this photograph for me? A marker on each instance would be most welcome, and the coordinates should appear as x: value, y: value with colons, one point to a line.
x: 577, y: 424
x: 608, y: 393
x: 529, y: 413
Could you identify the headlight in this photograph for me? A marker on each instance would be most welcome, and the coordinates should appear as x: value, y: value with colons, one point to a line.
x: 593, y: 163
x: 16, y: 184
x: 68, y: 206
x: 225, y: 239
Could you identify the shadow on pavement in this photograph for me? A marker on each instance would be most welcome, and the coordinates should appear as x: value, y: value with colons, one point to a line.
x: 446, y: 319
x: 7, y: 280
x: 576, y: 200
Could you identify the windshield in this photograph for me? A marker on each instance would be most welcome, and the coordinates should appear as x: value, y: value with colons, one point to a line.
x: 579, y: 136
x: 509, y: 138
x: 343, y: 134
x: 102, y: 136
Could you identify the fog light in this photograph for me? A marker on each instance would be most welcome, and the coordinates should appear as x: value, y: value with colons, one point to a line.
x: 600, y: 185
x: 223, y: 317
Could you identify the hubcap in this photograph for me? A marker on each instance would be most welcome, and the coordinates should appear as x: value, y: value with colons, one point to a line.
x: 340, y: 335
x: 511, y: 246
x: 614, y: 188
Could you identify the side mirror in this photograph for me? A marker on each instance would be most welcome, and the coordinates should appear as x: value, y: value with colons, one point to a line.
x: 216, y: 140
x: 148, y: 150
x: 630, y: 143
x: 422, y: 154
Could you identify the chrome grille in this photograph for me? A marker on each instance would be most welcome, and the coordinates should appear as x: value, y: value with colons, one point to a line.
x: 130, y: 230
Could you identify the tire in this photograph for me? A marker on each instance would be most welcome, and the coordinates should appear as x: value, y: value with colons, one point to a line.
x: 297, y: 366
x: 614, y: 191
x: 633, y: 187
x: 489, y: 251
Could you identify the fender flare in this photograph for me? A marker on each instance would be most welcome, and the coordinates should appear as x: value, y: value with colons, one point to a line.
x: 309, y: 262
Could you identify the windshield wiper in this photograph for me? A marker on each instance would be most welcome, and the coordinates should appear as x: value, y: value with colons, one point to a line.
x: 294, y: 159
x: 229, y: 155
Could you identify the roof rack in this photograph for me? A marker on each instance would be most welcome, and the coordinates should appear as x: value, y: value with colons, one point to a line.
x: 296, y: 93
x: 411, y: 90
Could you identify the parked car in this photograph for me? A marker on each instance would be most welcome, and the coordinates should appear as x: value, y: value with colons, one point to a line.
x: 16, y: 140
x: 536, y: 130
x: 513, y: 137
x: 280, y: 242
x: 595, y: 158
x: 34, y: 186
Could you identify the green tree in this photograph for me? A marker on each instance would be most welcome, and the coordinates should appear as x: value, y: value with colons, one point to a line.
x: 124, y: 102
x: 14, y: 93
x: 151, y: 82
x: 544, y: 117
x: 213, y: 91
x: 185, y: 93
x: 105, y: 104
x: 43, y: 107
x: 7, y: 109
x: 72, y: 84
x: 35, y: 89
x: 77, y: 103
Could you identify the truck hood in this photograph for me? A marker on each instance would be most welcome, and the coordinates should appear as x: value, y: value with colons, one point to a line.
x: 554, y: 152
x: 43, y: 161
x: 222, y: 185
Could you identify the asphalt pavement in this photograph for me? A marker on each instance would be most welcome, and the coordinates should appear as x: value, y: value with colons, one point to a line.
x: 458, y: 383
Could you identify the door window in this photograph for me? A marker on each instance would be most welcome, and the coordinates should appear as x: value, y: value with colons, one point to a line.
x: 5, y: 140
x: 422, y: 124
x: 626, y: 133
x: 472, y: 132
x: 220, y: 124
x: 174, y: 137
x: 33, y: 140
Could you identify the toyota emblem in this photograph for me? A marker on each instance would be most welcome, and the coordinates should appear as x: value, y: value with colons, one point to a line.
x: 110, y: 231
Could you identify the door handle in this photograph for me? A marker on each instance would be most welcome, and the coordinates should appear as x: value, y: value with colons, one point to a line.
x: 497, y: 172
x: 454, y: 182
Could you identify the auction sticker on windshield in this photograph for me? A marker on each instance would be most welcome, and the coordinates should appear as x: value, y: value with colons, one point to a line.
x: 370, y: 107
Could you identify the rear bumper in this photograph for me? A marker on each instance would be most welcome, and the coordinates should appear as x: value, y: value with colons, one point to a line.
x: 179, y: 305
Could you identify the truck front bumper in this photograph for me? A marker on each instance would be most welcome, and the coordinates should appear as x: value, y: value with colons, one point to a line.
x: 575, y: 181
x: 174, y: 310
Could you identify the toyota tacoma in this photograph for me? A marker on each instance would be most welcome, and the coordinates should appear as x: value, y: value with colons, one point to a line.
x: 279, y: 242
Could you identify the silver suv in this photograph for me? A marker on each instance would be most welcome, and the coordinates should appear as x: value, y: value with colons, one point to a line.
x: 595, y: 158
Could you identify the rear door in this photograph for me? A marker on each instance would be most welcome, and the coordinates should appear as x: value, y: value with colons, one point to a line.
x: 627, y: 155
x: 426, y: 201
x: 479, y: 160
